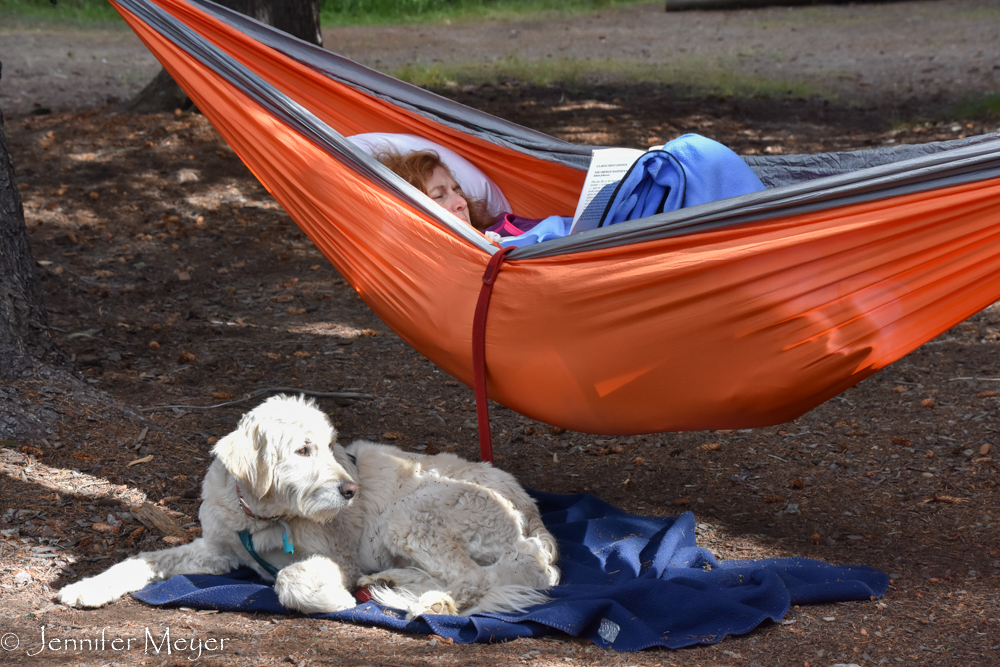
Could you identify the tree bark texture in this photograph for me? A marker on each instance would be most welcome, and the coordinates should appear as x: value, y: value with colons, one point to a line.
x: 299, y: 18
x: 32, y: 367
x: 24, y: 334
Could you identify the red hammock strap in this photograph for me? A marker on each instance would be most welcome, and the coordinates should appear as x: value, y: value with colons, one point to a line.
x: 479, y: 353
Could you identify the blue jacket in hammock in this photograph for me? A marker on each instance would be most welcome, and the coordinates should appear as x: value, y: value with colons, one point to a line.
x: 688, y: 171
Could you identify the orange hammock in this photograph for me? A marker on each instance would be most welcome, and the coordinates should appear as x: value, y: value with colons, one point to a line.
x: 736, y: 314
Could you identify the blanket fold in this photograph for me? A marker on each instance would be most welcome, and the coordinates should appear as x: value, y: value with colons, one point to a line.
x: 629, y: 582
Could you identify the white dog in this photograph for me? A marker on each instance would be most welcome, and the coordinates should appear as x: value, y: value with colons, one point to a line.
x: 437, y: 534
x: 279, y: 477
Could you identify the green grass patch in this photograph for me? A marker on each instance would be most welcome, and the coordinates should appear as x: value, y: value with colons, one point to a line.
x: 83, y: 13
x: 371, y: 12
x: 693, y: 77
x: 86, y: 13
x: 987, y: 106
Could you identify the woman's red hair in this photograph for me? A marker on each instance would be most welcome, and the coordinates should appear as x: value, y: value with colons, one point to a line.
x: 416, y: 167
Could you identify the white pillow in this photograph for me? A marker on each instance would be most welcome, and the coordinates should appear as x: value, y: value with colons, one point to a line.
x: 472, y: 180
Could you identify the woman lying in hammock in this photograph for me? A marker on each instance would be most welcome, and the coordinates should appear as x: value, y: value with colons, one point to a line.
x: 426, y: 171
x: 690, y: 170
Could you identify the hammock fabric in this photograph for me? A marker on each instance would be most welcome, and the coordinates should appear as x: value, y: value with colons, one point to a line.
x: 732, y: 314
x: 629, y: 582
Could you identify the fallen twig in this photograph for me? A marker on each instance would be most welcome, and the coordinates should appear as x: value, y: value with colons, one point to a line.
x: 938, y: 498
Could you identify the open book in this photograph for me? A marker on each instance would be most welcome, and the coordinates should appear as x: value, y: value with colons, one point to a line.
x: 607, y: 167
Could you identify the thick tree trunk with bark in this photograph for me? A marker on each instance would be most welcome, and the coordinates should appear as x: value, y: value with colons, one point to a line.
x: 29, y: 358
x: 299, y: 18
x: 24, y: 335
x: 32, y: 367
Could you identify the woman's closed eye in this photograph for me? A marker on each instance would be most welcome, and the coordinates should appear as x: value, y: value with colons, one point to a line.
x: 446, y: 193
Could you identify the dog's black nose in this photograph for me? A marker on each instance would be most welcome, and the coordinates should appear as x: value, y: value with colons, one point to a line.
x: 348, y: 489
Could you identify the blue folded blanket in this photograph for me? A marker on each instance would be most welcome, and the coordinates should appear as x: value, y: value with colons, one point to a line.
x: 687, y: 171
x: 629, y: 582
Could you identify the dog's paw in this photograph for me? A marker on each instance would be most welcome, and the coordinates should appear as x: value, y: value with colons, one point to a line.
x: 310, y: 588
x: 376, y: 580
x: 433, y: 602
x: 87, y: 593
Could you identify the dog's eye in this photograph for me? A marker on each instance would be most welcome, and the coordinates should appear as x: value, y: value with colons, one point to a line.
x: 302, y: 451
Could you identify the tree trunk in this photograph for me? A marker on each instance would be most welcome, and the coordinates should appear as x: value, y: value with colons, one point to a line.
x: 24, y: 335
x: 32, y: 367
x: 299, y: 18
x: 28, y: 355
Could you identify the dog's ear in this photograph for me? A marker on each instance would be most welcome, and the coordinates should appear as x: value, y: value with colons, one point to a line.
x: 267, y: 458
x: 246, y: 456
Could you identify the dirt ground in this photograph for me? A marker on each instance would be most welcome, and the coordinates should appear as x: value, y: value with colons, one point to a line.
x: 911, y: 58
x: 175, y: 284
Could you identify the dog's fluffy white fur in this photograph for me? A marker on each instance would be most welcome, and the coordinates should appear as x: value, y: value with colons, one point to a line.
x: 430, y: 534
x: 445, y: 536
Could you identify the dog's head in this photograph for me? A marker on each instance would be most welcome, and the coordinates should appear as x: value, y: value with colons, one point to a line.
x: 283, y: 451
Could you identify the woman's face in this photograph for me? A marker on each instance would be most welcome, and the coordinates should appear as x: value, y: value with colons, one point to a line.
x: 443, y: 189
